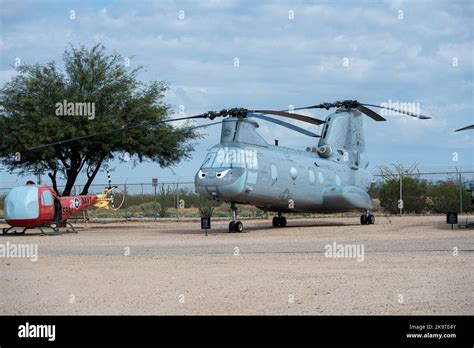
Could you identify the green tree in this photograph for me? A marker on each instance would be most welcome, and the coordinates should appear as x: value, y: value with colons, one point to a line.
x: 414, y: 190
x: 29, y: 117
x: 444, y: 197
x: 414, y: 195
x: 374, y: 190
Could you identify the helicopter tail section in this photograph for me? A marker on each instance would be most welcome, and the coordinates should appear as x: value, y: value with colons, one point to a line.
x: 343, y: 138
x: 106, y: 199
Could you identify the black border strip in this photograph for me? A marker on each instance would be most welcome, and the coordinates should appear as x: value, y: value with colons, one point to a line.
x: 225, y: 330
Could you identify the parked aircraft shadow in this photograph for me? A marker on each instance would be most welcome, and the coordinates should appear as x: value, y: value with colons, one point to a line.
x: 256, y: 227
x: 249, y: 227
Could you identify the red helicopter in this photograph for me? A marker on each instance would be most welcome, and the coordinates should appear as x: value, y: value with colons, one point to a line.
x: 30, y: 206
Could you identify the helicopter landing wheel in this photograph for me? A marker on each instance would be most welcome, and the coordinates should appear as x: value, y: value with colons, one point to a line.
x: 367, y: 219
x: 279, y: 221
x: 236, y: 226
x: 371, y: 219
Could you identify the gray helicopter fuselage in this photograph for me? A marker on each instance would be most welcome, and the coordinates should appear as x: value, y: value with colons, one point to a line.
x: 243, y: 168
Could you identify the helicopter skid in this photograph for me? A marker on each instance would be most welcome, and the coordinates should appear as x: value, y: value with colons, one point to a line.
x: 69, y: 228
x: 12, y: 230
x: 43, y: 228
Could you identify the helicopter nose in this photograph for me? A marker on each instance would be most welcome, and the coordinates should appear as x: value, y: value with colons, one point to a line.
x: 219, y: 183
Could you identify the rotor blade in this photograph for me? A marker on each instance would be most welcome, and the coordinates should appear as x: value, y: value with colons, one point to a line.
x: 372, y: 114
x: 326, y: 106
x: 118, y: 130
x: 298, y: 117
x: 305, y: 108
x: 347, y: 104
x: 350, y: 104
x: 423, y: 117
x: 201, y: 126
x: 465, y: 128
x: 285, y: 124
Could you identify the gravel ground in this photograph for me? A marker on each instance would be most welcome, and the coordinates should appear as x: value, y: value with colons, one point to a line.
x: 409, y: 266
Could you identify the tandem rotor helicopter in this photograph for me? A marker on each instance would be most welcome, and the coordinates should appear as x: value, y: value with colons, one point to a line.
x: 330, y: 176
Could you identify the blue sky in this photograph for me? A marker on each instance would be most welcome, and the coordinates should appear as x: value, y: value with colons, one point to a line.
x: 407, y: 51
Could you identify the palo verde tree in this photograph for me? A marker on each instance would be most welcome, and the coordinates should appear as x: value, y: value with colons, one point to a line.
x: 94, y: 92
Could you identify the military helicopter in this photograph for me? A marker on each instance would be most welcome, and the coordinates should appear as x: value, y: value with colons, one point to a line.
x: 243, y: 168
x: 330, y: 177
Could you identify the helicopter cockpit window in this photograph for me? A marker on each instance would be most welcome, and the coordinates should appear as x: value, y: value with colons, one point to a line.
x: 22, y: 203
x: 224, y: 158
x: 46, y: 198
x: 221, y: 162
x: 211, y: 155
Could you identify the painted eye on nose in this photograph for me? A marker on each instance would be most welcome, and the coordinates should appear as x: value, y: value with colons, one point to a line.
x: 220, y: 175
x: 201, y: 174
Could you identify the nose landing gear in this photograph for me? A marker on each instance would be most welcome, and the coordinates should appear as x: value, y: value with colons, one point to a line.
x: 367, y: 219
x: 235, y: 225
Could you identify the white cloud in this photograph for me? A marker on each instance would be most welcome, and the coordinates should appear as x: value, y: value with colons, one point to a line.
x: 7, y: 75
x: 282, y: 61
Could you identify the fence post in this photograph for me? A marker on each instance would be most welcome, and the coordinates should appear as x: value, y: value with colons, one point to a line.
x: 154, y: 183
x: 155, y: 205
x: 401, y: 193
x: 126, y: 201
x: 460, y: 194
x: 177, y: 201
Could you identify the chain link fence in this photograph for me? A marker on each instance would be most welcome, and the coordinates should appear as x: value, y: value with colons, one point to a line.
x: 423, y: 192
